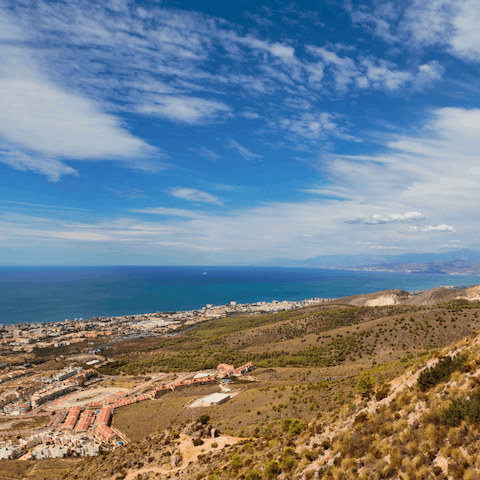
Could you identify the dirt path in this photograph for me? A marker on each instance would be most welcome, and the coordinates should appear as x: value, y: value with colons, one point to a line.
x: 189, y: 453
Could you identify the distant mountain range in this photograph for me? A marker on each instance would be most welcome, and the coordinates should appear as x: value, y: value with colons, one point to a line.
x: 462, y: 261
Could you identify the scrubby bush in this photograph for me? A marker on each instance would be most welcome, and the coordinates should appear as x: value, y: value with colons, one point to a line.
x: 197, y: 442
x: 293, y: 426
x: 272, y: 469
x: 461, y: 409
x: 288, y: 459
x: 236, y: 462
x: 440, y: 372
x: 253, y: 475
x: 365, y: 383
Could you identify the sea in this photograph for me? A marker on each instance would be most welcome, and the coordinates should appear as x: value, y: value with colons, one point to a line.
x: 47, y: 294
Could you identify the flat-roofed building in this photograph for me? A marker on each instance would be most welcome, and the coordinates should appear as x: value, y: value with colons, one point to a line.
x: 212, y: 400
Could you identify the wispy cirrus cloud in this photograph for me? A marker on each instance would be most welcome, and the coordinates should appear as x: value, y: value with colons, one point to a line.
x: 103, y: 62
x: 243, y: 151
x: 207, y: 153
x: 194, y: 195
x: 168, y: 212
x: 50, y: 167
x: 451, y: 24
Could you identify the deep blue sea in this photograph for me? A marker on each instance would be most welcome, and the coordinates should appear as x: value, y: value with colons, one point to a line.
x: 43, y: 294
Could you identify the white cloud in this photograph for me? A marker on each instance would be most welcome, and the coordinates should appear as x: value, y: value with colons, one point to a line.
x: 250, y: 115
x: 42, y: 124
x: 311, y: 125
x: 434, y: 173
x: 282, y: 51
x: 77, y: 66
x: 381, y: 247
x: 452, y: 24
x: 36, y: 115
x: 193, y: 195
x: 370, y: 72
x: 379, y: 219
x: 378, y: 22
x: 51, y: 168
x: 244, y: 152
x: 190, y: 110
x: 344, y: 69
x: 439, y: 228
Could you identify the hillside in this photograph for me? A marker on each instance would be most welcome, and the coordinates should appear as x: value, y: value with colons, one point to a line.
x: 421, y: 424
x: 335, y: 395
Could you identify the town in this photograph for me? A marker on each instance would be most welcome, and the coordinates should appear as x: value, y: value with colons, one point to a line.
x: 99, y: 333
x: 78, y: 400
x: 81, y: 408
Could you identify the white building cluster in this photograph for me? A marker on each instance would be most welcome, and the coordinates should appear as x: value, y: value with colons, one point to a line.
x: 51, y: 445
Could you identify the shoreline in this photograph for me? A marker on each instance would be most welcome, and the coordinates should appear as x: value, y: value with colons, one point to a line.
x: 108, y: 291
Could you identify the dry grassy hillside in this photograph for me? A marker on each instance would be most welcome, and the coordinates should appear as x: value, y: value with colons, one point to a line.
x: 336, y: 396
x: 421, y: 425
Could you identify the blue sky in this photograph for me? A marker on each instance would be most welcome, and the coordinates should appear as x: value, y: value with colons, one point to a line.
x: 216, y: 132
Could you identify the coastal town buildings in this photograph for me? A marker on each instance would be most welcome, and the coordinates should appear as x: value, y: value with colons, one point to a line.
x: 96, y: 334
x: 82, y: 429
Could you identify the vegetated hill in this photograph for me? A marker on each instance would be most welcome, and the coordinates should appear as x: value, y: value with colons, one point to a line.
x: 422, y: 424
x: 353, y: 330
x: 310, y: 362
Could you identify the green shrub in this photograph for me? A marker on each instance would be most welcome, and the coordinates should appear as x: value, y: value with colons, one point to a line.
x: 253, y: 475
x: 440, y: 372
x: 236, y: 462
x: 288, y: 452
x: 272, y: 469
x: 453, y: 415
x: 365, y: 383
x: 293, y: 426
x: 286, y: 424
x: 287, y: 463
x: 197, y: 442
x: 461, y: 409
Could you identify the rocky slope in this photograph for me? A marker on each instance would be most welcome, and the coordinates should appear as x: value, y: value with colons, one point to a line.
x: 401, y: 297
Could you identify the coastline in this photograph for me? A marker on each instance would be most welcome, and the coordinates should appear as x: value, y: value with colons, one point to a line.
x: 53, y: 294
